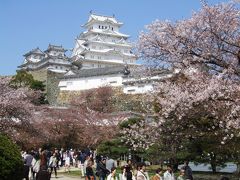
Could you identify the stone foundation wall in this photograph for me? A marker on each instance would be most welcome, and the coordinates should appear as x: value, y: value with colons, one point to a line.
x: 40, y: 75
x: 52, y: 87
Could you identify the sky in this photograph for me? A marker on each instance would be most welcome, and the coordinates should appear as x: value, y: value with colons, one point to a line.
x: 27, y: 24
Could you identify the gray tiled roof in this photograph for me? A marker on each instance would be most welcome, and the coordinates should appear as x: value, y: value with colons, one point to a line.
x: 34, y: 51
x: 55, y: 47
x: 97, y: 72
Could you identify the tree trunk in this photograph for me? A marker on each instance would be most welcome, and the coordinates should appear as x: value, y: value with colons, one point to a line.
x: 213, y: 162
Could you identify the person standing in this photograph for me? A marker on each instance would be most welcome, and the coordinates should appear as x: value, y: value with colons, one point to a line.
x: 27, y: 164
x: 102, y: 171
x: 158, y: 175
x: 112, y: 175
x: 181, y: 176
x: 110, y: 163
x: 85, y: 164
x: 188, y: 171
x: 141, y: 175
x: 35, y: 165
x: 89, y: 171
x: 168, y: 175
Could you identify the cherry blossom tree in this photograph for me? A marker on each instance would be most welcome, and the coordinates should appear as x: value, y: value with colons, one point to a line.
x: 189, y: 108
x: 208, y: 40
x: 88, y: 120
x: 16, y: 110
x: 201, y: 103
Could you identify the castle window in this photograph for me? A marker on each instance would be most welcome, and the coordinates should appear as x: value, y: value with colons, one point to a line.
x: 69, y: 83
x: 92, y: 57
x: 99, y: 65
x: 113, y: 82
x: 99, y: 57
x: 112, y: 28
x: 102, y: 27
x: 99, y: 27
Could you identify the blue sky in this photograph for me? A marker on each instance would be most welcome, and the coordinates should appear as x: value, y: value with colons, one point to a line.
x: 27, y: 24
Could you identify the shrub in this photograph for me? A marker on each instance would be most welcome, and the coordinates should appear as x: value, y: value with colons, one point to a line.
x: 11, y: 163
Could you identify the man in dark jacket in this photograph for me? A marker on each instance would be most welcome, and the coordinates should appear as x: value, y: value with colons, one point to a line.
x: 101, y: 169
x: 188, y: 171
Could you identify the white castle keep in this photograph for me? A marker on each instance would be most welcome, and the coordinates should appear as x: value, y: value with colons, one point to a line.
x: 102, y: 45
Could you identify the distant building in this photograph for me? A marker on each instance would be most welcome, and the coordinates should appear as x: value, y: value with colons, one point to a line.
x: 102, y: 45
x: 53, y: 59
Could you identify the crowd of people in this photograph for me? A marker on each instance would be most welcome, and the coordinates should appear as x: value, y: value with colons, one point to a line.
x: 39, y: 165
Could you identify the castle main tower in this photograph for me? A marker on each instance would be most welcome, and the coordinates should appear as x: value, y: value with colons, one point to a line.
x: 102, y: 45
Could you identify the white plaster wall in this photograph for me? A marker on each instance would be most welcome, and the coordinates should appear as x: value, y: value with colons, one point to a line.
x: 90, y: 82
x: 137, y: 89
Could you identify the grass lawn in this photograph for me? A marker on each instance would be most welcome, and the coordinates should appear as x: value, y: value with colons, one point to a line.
x: 72, y: 173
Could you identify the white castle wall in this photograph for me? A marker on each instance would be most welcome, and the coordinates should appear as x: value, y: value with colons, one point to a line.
x: 90, y: 83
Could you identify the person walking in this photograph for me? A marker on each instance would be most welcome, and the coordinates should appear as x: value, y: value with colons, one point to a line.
x: 53, y: 164
x: 35, y: 165
x: 67, y: 158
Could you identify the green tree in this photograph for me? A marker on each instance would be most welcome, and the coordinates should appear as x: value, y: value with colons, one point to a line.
x: 114, y: 148
x: 11, y: 164
x: 24, y: 79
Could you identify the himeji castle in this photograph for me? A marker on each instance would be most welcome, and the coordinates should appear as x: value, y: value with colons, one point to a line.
x: 102, y: 56
x: 102, y: 44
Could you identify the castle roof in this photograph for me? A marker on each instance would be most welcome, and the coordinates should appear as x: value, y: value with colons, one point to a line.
x: 101, y: 18
x: 34, y: 51
x: 96, y: 72
x: 55, y: 48
x: 105, y: 32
